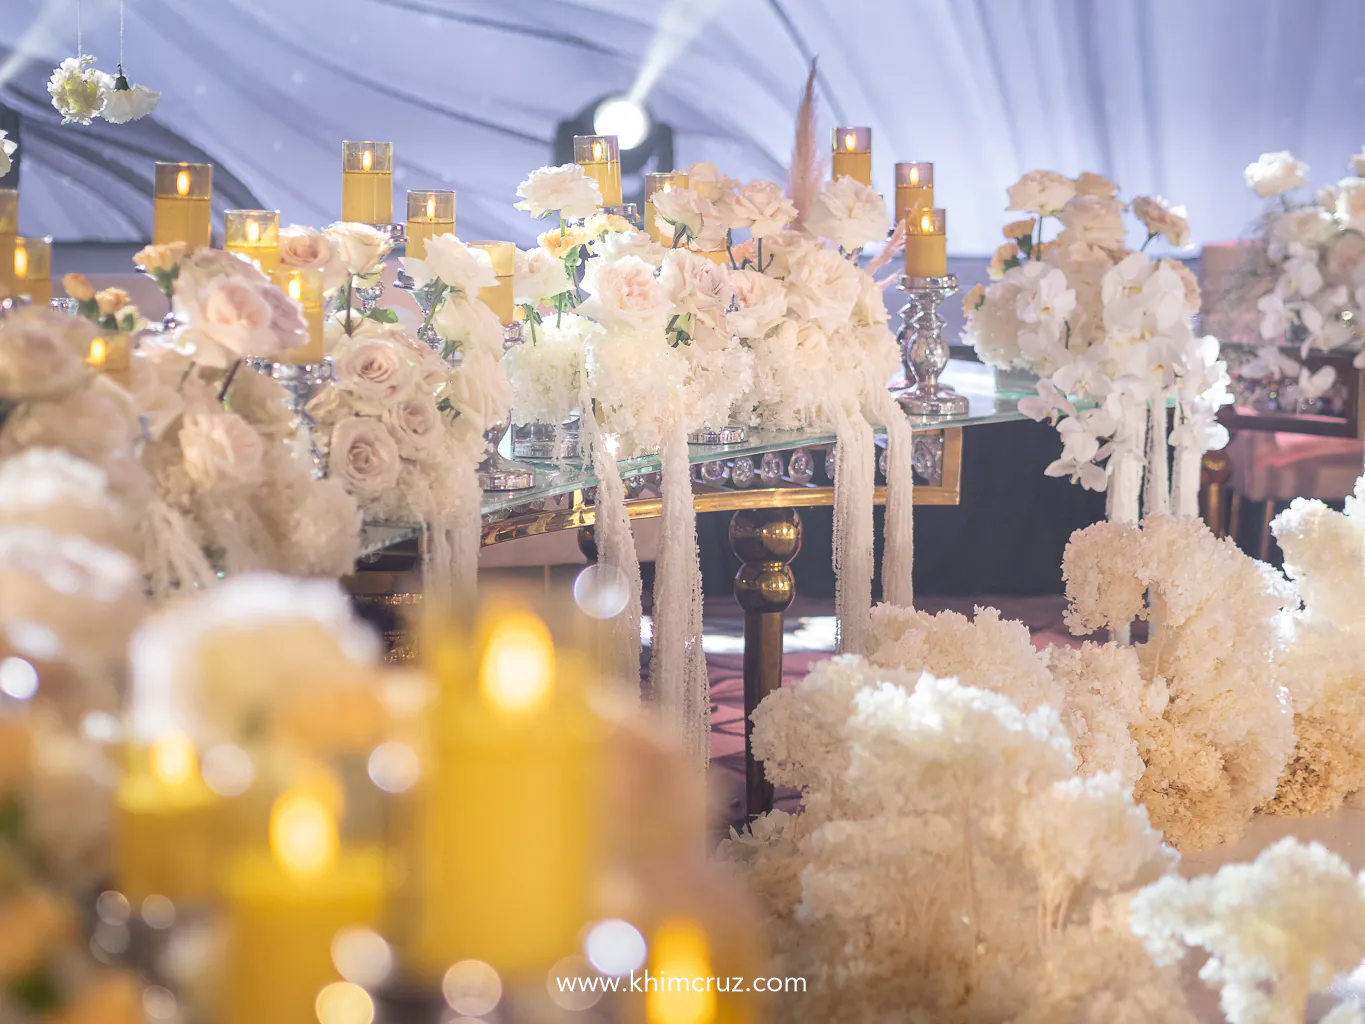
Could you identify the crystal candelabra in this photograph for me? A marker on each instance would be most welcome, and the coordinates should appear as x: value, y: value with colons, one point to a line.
x: 426, y: 298
x: 497, y: 472
x: 923, y: 350
x: 301, y: 384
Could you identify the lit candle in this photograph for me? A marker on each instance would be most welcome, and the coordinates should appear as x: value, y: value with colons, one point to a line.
x: 679, y: 950
x: 507, y: 827
x: 184, y: 194
x: 33, y: 269
x: 926, y: 252
x: 498, y: 297
x: 367, y: 182
x: 914, y: 188
x: 666, y: 181
x: 164, y: 837
x: 431, y: 212
x: 254, y: 234
x: 285, y: 904
x: 111, y: 355
x: 304, y: 286
x: 9, y: 231
x: 852, y: 154
x: 600, y: 158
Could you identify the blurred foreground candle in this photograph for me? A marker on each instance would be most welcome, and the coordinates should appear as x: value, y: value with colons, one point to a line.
x: 367, y: 182
x: 679, y: 949
x: 254, y: 234
x: 285, y: 905
x: 600, y: 158
x: 164, y: 834
x: 431, y: 212
x: 33, y: 269
x: 184, y: 193
x: 498, y: 297
x: 9, y: 231
x: 111, y: 355
x: 914, y: 188
x: 852, y: 154
x: 926, y: 244
x: 304, y: 286
x: 665, y: 181
x: 508, y: 829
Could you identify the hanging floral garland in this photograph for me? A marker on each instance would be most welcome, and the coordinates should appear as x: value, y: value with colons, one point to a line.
x: 81, y: 92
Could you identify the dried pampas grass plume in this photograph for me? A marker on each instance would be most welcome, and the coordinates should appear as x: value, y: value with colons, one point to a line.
x: 803, y: 181
x: 890, y: 251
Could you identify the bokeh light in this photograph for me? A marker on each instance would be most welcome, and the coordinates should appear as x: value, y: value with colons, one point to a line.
x: 615, y: 947
x: 471, y: 987
x: 343, y: 1002
x: 601, y: 592
x: 394, y: 767
x: 362, y: 956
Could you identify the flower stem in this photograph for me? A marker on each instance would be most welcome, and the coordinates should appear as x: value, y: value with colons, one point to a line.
x: 227, y: 382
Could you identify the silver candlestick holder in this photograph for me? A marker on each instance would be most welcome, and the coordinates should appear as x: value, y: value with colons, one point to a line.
x: 497, y: 472
x: 301, y: 384
x: 923, y: 350
x: 426, y: 298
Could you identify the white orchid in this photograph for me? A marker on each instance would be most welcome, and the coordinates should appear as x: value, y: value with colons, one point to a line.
x: 1314, y: 384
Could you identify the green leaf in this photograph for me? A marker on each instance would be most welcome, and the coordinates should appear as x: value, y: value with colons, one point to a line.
x: 11, y: 820
x: 1026, y: 245
x: 36, y: 991
x: 382, y: 316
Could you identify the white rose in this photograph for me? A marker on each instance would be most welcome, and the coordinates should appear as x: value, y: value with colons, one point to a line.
x: 1041, y: 192
x: 617, y: 245
x: 761, y: 208
x: 707, y: 181
x: 228, y: 319
x: 823, y: 288
x: 465, y: 322
x: 625, y: 294
x: 686, y: 209
x: 203, y: 265
x: 360, y: 247
x: 479, y: 391
x: 694, y: 283
x: 1092, y: 184
x: 539, y: 277
x: 848, y: 213
x: 1276, y: 173
x: 375, y: 371
x: 38, y: 353
x: 565, y: 190
x: 363, y: 456
x: 1161, y: 218
x: 1092, y: 220
x: 459, y: 266
x: 1351, y: 203
x: 220, y: 449
x: 762, y: 302
x: 416, y: 426
x: 306, y: 248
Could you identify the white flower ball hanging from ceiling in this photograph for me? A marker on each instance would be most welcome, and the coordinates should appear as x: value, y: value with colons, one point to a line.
x: 124, y: 102
x: 81, y: 92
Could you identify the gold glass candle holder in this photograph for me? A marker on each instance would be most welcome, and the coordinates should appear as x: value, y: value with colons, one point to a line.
x: 254, y: 234
x: 600, y: 158
x: 926, y: 244
x: 852, y: 154
x: 664, y: 181
x: 304, y: 286
x: 9, y: 229
x: 498, y: 297
x: 111, y: 355
x: 184, y: 193
x: 431, y: 212
x: 367, y: 182
x: 33, y: 269
x: 914, y: 188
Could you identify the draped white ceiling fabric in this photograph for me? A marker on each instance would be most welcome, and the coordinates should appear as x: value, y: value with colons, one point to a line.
x: 1172, y: 97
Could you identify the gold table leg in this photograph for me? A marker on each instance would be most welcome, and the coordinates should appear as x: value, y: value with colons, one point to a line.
x: 766, y: 540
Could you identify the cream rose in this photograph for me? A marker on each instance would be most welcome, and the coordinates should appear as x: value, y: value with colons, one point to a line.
x: 375, y: 371
x: 1276, y: 173
x: 1351, y: 203
x: 1309, y: 226
x: 1041, y: 192
x: 360, y: 247
x: 626, y: 294
x: 823, y: 288
x: 539, y: 277
x: 1091, y: 184
x: 848, y: 213
x: 695, y: 284
x: 220, y: 449
x: 761, y: 208
x: 38, y: 354
x: 363, y: 455
x: 164, y: 257
x: 479, y: 391
x: 617, y: 245
x: 1161, y: 218
x: 306, y: 248
x: 459, y: 266
x: 565, y: 190
x: 762, y: 302
x: 467, y: 323
x: 416, y: 426
x: 707, y: 181
x: 1092, y: 220
x: 683, y: 208
x: 228, y: 319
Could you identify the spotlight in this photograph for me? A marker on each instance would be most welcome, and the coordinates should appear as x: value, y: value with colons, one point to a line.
x: 623, y: 117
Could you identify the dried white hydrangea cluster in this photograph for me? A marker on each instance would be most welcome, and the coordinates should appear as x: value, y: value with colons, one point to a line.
x: 948, y: 864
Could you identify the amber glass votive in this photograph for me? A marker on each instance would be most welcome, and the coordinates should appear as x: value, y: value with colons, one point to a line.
x: 926, y: 244
x: 254, y: 234
x: 9, y: 229
x: 663, y: 181
x: 304, y: 286
x: 111, y: 355
x: 182, y: 212
x: 367, y: 182
x: 498, y: 297
x: 33, y: 269
x: 914, y: 188
x: 600, y: 158
x: 431, y: 212
x: 852, y: 154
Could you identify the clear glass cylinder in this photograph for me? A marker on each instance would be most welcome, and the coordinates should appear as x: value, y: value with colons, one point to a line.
x: 600, y: 158
x: 926, y: 253
x: 254, y: 234
x: 498, y: 297
x: 914, y: 188
x: 182, y: 206
x: 661, y: 181
x: 852, y: 154
x: 304, y: 286
x: 33, y: 269
x: 367, y: 182
x: 431, y: 212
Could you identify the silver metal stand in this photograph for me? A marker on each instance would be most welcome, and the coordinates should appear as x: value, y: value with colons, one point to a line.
x: 733, y: 433
x: 426, y: 298
x: 923, y: 350
x: 497, y: 472
x: 301, y: 384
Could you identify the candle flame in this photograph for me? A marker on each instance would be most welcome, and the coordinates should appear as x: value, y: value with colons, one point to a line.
x: 253, y: 232
x: 296, y: 288
x: 518, y: 666
x: 597, y: 151
x: 914, y: 175
x: 367, y: 160
x: 303, y: 833
x: 850, y: 141
x: 20, y: 261
x: 182, y: 183
x: 666, y: 187
x: 172, y: 758
x: 99, y: 351
x: 431, y: 207
x: 680, y: 950
x: 926, y: 224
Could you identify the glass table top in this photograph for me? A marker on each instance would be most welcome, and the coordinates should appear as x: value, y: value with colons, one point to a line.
x: 974, y: 381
